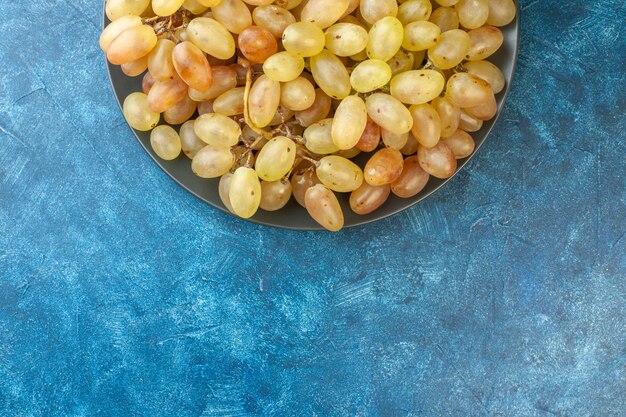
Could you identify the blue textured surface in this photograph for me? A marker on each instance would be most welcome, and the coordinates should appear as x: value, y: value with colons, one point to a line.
x: 123, y: 295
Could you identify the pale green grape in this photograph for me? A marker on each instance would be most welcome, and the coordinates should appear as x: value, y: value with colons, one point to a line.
x: 385, y: 38
x: 331, y: 75
x: 212, y: 162
x: 165, y: 142
x: 417, y: 86
x: 303, y: 39
x: 212, y: 37
x: 374, y: 10
x: 389, y: 113
x: 318, y: 138
x: 349, y: 122
x: 230, y: 103
x: 346, y: 39
x: 138, y: 113
x: 276, y: 159
x: 264, y: 100
x: 370, y: 75
x: 217, y: 130
x: 116, y: 9
x: 339, y: 174
x: 394, y: 140
x: 283, y: 67
x: 324, y: 13
x: 472, y: 13
x: 414, y: 11
x: 190, y: 142
x: 419, y: 36
x: 297, y: 95
x: 166, y: 7
x: 451, y: 49
x: 245, y: 192
x: 273, y: 18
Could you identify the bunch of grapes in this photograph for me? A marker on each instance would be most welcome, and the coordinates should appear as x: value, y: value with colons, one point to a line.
x: 275, y: 97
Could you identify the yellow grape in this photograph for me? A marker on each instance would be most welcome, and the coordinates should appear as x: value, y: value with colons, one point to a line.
x: 303, y: 39
x: 303, y: 179
x: 414, y: 11
x: 446, y: 3
x: 384, y: 167
x: 318, y: 138
x: 273, y: 18
x: 370, y: 75
x: 488, y: 72
x: 484, y: 42
x: 212, y: 37
x: 339, y: 174
x: 394, y: 140
x: 411, y: 146
x: 209, y: 3
x: 426, y: 124
x: 472, y: 13
x: 297, y: 95
x: 190, y: 142
x: 323, y: 206
x: 317, y: 112
x: 349, y: 153
x: 467, y: 90
x: 138, y: 113
x: 412, y: 180
x: 165, y: 94
x: 501, y: 12
x: 275, y: 195
x: 451, y: 49
x: 223, y: 190
x: 324, y: 13
x: 224, y: 79
x: 385, y: 38
x: 373, y: 11
x: 194, y: 7
x: 446, y: 18
x: 115, y: 28
x: 276, y: 159
x: 116, y: 9
x: 469, y: 124
x: 389, y: 113
x: 230, y: 103
x: 281, y: 116
x: 419, y: 36
x: 264, y: 100
x: 346, y: 39
x: 417, y: 86
x: 166, y: 7
x: 461, y: 144
x: 180, y: 112
x: 135, y: 68
x: 283, y: 67
x: 370, y: 139
x: 449, y: 114
x: 161, y: 60
x: 403, y: 61
x: 349, y: 122
x: 331, y: 75
x: 233, y: 14
x: 245, y: 192
x: 212, y: 162
x: 485, y: 111
x: 438, y: 161
x: 369, y: 198
x: 132, y: 44
x: 192, y: 66
x: 165, y: 142
x: 217, y: 130
x: 257, y: 44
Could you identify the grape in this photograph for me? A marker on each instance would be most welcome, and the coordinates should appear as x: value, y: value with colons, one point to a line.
x: 273, y: 18
x: 385, y: 38
x: 339, y: 174
x: 194, y: 7
x: 370, y: 139
x: 297, y: 95
x: 461, y: 143
x: 217, y: 130
x: 451, y: 49
x: 331, y: 75
x: 384, y: 167
x: 212, y: 37
x: 412, y: 180
x: 393, y: 140
x: 283, y: 67
x: 369, y: 198
x: 318, y: 138
x: 411, y: 146
x: 303, y: 39
x: 303, y: 179
x: 472, y: 13
x: 275, y: 195
x: 245, y: 192
x: 389, y: 113
x: 233, y: 14
x: 419, y: 36
x: 276, y: 159
x: 166, y: 7
x: 468, y: 123
x: 484, y: 42
x: 352, y: 6
x: 375, y: 10
x: 131, y: 44
x: 438, y: 161
x: 147, y: 83
x: 243, y: 157
x: 323, y: 206
x: 136, y: 67
x: 449, y: 115
x: 116, y: 28
x: 426, y: 124
x: 212, y: 162
x: 501, y: 12
x: 180, y: 112
x: 165, y: 142
x: 446, y: 3
x: 138, y: 113
x: 486, y: 111
x: 161, y: 60
x: 349, y: 153
x: 257, y: 44
x: 224, y: 191
x: 230, y: 103
x: 263, y: 101
x: 488, y: 72
x: 467, y: 90
x: 346, y: 39
x: 224, y: 79
x: 318, y: 110
x: 165, y: 94
x: 116, y: 9
x: 446, y: 18
x: 281, y: 116
x: 404, y: 61
x: 205, y: 107
x: 417, y: 86
x: 414, y: 11
x: 190, y: 142
x: 324, y: 13
x: 349, y: 122
x: 370, y: 75
x: 192, y: 66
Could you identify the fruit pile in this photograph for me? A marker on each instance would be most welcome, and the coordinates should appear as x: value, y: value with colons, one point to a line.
x: 276, y: 97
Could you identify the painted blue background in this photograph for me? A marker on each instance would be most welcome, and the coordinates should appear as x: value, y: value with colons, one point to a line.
x: 123, y: 295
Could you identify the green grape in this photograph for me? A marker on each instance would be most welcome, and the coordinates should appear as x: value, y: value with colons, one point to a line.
x: 488, y: 72
x: 303, y: 179
x: 389, y: 113
x: 275, y: 195
x: 484, y: 42
x: 138, y: 113
x: 331, y: 75
x: 318, y: 138
x: 414, y: 11
x: 212, y: 37
x: 324, y: 13
x: 446, y: 18
x: 349, y: 122
x: 230, y: 103
x: 370, y: 75
x: 339, y: 174
x: 451, y: 49
x: 116, y: 28
x: 417, y: 86
x: 461, y: 144
x: 501, y: 12
x: 223, y: 190
x: 166, y: 7
x: 373, y: 11
x: 283, y: 67
x: 212, y: 162
x: 369, y: 198
x: 384, y: 167
x: 419, y: 36
x: 131, y: 44
x: 161, y: 60
x: 217, y: 130
x: 385, y: 38
x: 115, y: 9
x: 165, y: 94
x: 180, y: 112
x: 303, y: 39
x: 224, y: 79
x: 190, y: 142
x: 233, y: 14
x: 449, y: 115
x: 412, y: 180
x: 264, y: 100
x: 317, y: 112
x: 394, y: 140
x: 192, y: 66
x: 426, y: 124
x: 472, y: 13
x: 273, y: 18
x: 245, y: 192
x: 297, y: 95
x: 467, y: 90
x: 438, y: 161
x: 346, y: 39
x: 165, y: 142
x: 323, y: 206
x: 469, y: 124
x: 276, y: 159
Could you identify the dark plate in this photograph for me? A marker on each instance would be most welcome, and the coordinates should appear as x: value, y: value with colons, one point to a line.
x: 293, y: 216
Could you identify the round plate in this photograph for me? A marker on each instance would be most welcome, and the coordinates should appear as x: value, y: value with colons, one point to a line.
x: 293, y: 216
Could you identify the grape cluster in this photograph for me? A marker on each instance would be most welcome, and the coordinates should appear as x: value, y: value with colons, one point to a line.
x: 275, y: 97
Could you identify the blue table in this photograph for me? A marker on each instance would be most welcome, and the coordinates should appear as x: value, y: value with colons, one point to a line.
x: 123, y: 295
